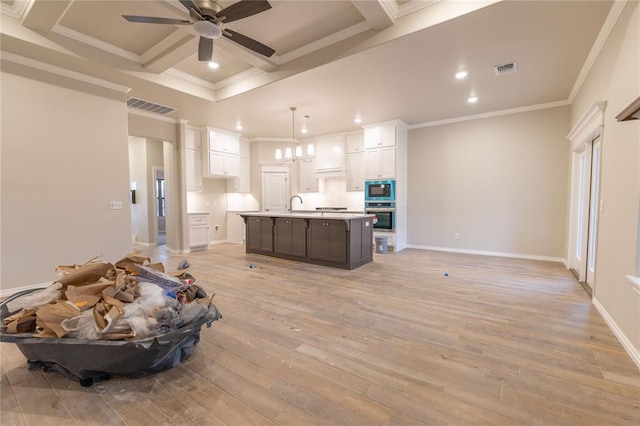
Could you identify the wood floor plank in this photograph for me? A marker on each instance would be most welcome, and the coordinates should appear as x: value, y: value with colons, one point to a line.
x: 393, y: 342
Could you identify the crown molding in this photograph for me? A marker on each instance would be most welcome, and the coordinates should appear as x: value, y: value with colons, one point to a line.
x: 17, y: 9
x: 63, y: 72
x: 489, y: 114
x: 598, y: 45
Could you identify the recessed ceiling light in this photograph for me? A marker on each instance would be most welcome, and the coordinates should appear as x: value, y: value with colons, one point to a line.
x: 304, y: 130
x: 238, y: 126
x: 461, y: 74
x: 214, y: 65
x: 358, y: 120
x: 472, y: 99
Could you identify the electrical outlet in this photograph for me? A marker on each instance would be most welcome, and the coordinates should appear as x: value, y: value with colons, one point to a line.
x: 216, y: 228
x: 115, y: 205
x: 456, y: 236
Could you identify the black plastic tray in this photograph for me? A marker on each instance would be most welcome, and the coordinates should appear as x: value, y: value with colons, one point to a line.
x: 90, y: 360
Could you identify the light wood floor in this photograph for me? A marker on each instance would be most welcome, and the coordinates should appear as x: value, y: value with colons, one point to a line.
x: 497, y: 341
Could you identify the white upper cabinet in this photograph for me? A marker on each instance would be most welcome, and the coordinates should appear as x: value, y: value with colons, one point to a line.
x: 378, y: 137
x: 242, y: 183
x: 355, y: 171
x: 380, y: 152
x: 222, y: 157
x: 193, y: 158
x: 355, y: 161
x: 330, y: 154
x: 355, y: 142
x: 307, y: 180
x: 380, y: 163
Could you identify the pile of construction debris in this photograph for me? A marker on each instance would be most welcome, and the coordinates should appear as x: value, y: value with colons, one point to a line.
x: 131, y: 299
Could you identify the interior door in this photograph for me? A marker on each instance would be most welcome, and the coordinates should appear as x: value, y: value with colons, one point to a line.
x: 594, y: 211
x: 585, y: 206
x: 275, y: 190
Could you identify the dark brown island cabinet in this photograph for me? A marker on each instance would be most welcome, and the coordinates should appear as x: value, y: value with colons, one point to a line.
x: 335, y: 240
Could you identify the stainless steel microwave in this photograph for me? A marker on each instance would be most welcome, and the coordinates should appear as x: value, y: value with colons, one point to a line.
x: 380, y: 190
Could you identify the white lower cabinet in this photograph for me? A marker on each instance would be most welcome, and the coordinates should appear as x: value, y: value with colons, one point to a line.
x: 198, y: 231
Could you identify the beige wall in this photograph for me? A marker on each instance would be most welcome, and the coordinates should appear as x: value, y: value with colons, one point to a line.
x: 138, y: 175
x: 64, y: 157
x: 615, y: 78
x: 147, y: 127
x: 500, y: 183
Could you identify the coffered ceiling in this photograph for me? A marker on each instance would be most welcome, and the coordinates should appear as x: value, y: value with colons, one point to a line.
x: 379, y: 59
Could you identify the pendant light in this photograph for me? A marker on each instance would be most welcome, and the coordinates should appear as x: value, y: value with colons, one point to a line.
x: 289, y: 154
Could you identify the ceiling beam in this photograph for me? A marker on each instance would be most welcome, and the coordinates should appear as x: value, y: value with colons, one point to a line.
x: 376, y: 13
x: 43, y: 15
x: 255, y: 59
x: 173, y: 49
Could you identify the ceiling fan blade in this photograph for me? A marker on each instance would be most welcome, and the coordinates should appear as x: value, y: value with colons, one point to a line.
x: 248, y: 42
x: 191, y: 5
x: 205, y: 49
x: 152, y: 20
x: 242, y: 9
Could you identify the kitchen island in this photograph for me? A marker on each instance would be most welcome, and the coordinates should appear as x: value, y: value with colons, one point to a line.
x: 339, y: 240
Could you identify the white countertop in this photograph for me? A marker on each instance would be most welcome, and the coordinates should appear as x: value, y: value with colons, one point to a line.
x: 309, y: 215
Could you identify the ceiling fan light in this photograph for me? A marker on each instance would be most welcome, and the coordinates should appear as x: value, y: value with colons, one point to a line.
x: 207, y: 29
x: 214, y: 65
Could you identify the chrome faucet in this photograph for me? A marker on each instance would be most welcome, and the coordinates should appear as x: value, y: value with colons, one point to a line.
x: 291, y: 201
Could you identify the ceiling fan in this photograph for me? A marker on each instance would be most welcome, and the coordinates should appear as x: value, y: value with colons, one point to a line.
x: 208, y: 19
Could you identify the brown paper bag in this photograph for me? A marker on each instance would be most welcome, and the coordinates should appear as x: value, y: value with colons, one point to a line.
x: 136, y: 258
x: 106, y: 315
x: 86, y: 296
x: 23, y: 321
x: 50, y: 316
x: 88, y: 274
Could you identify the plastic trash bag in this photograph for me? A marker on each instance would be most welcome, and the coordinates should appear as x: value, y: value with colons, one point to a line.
x: 82, y: 327
x: 35, y: 299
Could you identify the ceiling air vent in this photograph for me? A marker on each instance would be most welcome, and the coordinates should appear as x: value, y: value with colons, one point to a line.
x: 505, y: 68
x: 149, y: 106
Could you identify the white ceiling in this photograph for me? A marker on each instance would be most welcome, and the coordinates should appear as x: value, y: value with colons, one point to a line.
x: 380, y: 59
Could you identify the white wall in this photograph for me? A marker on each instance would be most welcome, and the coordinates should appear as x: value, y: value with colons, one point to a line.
x: 500, y: 183
x: 64, y: 157
x: 615, y: 79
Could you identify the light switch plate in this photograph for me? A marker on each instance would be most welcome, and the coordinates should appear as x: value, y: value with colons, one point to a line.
x: 115, y: 205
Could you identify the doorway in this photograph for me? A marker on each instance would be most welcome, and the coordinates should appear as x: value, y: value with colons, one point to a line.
x: 151, y: 175
x: 275, y: 188
x: 585, y: 210
x: 160, y: 206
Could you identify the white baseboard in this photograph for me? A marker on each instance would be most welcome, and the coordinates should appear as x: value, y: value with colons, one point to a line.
x: 488, y: 253
x: 211, y: 243
x: 622, y: 338
x: 141, y: 243
x: 6, y: 292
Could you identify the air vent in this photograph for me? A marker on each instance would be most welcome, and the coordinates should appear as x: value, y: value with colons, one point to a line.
x: 505, y: 68
x: 149, y: 106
